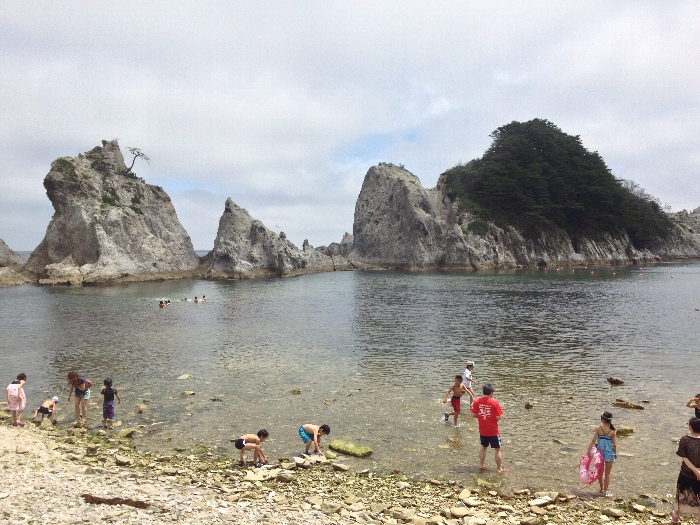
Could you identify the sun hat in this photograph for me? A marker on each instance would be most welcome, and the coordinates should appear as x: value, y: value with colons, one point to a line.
x: 55, y: 399
x: 470, y: 363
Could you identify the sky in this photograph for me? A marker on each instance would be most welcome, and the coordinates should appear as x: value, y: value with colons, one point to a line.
x: 284, y: 106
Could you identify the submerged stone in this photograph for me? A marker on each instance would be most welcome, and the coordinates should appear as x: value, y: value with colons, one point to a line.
x: 347, y: 447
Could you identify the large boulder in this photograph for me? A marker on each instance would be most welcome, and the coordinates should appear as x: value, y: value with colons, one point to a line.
x: 349, y: 448
x: 9, y: 258
x: 245, y: 248
x: 108, y: 224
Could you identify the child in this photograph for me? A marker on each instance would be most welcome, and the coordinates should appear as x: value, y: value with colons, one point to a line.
x: 16, y: 400
x: 47, y: 408
x: 688, y: 483
x: 81, y: 388
x: 604, y: 437
x: 108, y: 393
x: 695, y: 403
x: 306, y: 431
x: 467, y: 381
x: 252, y: 442
x: 458, y: 390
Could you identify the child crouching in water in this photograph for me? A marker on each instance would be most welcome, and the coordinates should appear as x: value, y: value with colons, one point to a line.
x: 605, y: 438
x: 312, y: 434
x: 252, y: 442
x: 108, y: 393
x: 47, y: 408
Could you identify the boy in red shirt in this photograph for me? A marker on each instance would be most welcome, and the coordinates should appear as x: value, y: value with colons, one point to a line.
x: 488, y: 412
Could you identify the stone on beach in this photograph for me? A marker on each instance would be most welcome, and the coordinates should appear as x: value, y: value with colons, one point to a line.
x: 615, y: 381
x: 625, y: 403
x: 347, y: 447
x: 624, y: 430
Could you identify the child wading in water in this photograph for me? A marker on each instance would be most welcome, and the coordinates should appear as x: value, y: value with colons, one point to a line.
x: 108, y: 393
x: 252, y: 442
x: 605, y: 438
x: 80, y: 387
x: 16, y: 400
x: 458, y: 390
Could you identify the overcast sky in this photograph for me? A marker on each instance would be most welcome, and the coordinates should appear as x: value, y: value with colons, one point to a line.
x: 284, y: 106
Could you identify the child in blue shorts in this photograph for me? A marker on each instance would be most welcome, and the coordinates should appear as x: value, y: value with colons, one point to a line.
x: 312, y: 434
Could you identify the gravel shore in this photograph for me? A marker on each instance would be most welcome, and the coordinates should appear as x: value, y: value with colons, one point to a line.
x: 47, y: 472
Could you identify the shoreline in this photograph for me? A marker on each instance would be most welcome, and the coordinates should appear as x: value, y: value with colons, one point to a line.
x: 48, y: 469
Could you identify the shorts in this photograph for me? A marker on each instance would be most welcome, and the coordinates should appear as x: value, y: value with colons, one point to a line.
x: 45, y: 410
x: 239, y: 444
x: 303, y: 435
x: 82, y: 394
x: 108, y: 410
x: 456, y: 404
x: 494, y: 441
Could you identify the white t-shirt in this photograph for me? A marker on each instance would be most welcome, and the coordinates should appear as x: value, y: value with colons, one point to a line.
x: 466, y: 381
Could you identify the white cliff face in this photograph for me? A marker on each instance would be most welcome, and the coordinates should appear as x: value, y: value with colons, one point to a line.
x: 245, y: 248
x: 400, y: 224
x: 108, y: 225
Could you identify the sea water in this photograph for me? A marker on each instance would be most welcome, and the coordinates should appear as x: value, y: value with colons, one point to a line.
x: 372, y: 355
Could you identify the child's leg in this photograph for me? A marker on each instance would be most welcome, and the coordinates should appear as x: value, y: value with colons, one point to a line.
x: 83, y: 408
x: 77, y: 408
x: 19, y: 416
x: 499, y: 458
x: 608, y: 468
x: 14, y: 417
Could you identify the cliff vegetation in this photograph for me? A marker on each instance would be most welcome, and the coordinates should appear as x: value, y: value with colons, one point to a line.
x: 536, y: 177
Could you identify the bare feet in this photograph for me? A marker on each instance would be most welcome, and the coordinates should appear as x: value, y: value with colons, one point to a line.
x: 481, y: 469
x: 504, y: 469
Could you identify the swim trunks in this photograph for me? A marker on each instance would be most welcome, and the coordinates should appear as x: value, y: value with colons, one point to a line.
x: 304, y: 436
x: 494, y: 441
x: 456, y: 404
x: 239, y: 444
x: 108, y: 410
x: 45, y: 410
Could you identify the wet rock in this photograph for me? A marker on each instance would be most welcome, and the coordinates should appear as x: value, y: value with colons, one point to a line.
x: 295, y: 391
x: 347, y: 447
x: 528, y: 405
x: 140, y: 408
x: 126, y: 433
x: 615, y: 380
x: 624, y: 431
x: 185, y: 376
x: 340, y: 467
x: 625, y: 403
x: 330, y: 454
x: 186, y: 393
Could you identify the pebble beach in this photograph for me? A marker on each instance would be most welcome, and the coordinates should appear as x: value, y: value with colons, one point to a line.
x: 62, y: 474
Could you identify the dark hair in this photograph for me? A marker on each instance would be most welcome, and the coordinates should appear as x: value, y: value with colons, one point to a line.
x: 326, y: 429
x: 694, y: 424
x: 108, y: 383
x: 73, y: 377
x: 607, y: 417
x: 458, y: 377
x: 262, y: 433
x: 22, y: 376
x: 697, y: 395
x: 487, y: 389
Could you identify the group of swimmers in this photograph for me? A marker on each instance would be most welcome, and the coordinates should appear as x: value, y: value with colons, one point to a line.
x: 166, y: 302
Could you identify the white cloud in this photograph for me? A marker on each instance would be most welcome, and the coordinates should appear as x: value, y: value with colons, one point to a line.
x: 283, y: 106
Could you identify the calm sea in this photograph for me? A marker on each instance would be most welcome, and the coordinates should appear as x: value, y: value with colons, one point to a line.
x: 373, y: 354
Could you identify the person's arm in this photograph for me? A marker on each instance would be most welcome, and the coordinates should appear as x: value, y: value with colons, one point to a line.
x: 447, y: 394
x: 19, y: 388
x: 70, y: 390
x: 317, y: 439
x: 118, y: 398
x: 614, y: 440
x: 595, y: 435
x: 692, y: 467
x: 693, y: 403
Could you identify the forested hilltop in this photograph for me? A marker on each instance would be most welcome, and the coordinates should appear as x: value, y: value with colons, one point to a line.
x: 535, y: 177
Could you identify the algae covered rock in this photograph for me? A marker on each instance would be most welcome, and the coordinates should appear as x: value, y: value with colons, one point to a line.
x: 351, y: 449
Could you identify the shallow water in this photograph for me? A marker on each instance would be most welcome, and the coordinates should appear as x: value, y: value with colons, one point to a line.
x: 374, y: 353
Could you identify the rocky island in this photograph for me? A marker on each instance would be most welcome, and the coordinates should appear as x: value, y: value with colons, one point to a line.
x: 536, y: 198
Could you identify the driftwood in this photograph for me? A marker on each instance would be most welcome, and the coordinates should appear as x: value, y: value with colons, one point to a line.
x: 115, y: 501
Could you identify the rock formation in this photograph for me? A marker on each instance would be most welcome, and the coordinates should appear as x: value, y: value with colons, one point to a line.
x: 400, y: 224
x: 108, y: 225
x: 9, y: 258
x: 245, y: 248
x: 10, y: 262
